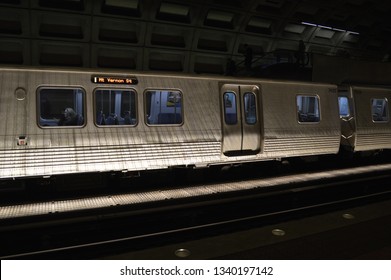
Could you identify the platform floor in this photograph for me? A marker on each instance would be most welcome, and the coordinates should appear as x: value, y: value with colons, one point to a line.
x: 61, y: 206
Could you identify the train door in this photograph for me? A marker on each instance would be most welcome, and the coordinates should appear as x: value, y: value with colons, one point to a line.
x: 241, y: 123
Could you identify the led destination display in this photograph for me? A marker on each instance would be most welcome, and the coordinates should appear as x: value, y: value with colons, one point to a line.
x: 114, y: 80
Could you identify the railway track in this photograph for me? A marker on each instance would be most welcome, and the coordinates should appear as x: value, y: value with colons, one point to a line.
x: 132, y: 230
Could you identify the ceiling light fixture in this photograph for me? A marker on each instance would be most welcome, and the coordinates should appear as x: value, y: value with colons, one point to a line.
x: 328, y: 27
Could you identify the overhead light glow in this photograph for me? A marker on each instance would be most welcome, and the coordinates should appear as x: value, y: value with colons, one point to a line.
x: 340, y: 30
x: 308, y: 23
x: 325, y: 27
x: 329, y: 27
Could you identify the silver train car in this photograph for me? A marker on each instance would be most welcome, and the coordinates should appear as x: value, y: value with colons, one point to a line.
x: 57, y: 122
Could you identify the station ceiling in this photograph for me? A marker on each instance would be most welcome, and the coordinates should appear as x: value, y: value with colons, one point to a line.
x: 196, y: 36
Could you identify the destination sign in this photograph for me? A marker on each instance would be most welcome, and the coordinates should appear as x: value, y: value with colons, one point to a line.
x: 114, y: 80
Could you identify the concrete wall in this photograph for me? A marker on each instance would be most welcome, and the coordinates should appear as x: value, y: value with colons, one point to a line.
x: 339, y: 70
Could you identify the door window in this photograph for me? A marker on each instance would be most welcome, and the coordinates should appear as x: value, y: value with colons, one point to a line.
x: 250, y: 108
x: 230, y: 110
x: 343, y: 106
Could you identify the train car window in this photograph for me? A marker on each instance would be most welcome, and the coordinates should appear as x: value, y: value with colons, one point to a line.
x: 343, y: 102
x: 308, y: 108
x: 230, y: 111
x: 61, y: 107
x: 164, y: 107
x: 250, y: 108
x: 379, y: 110
x: 115, y: 107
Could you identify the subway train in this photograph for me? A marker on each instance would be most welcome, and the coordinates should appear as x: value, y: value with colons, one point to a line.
x: 62, y: 121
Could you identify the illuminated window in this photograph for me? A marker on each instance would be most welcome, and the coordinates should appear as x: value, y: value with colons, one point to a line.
x: 163, y: 107
x: 379, y: 110
x: 308, y: 108
x: 115, y: 107
x: 61, y: 107
x: 343, y: 103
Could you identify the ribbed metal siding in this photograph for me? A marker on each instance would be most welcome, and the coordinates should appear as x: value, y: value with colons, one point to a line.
x: 302, y: 145
x: 47, y: 161
x: 373, y: 141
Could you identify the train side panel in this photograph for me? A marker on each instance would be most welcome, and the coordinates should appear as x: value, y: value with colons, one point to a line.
x: 300, y: 119
x: 372, y: 129
x: 294, y: 120
x: 174, y: 121
x: 30, y: 149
